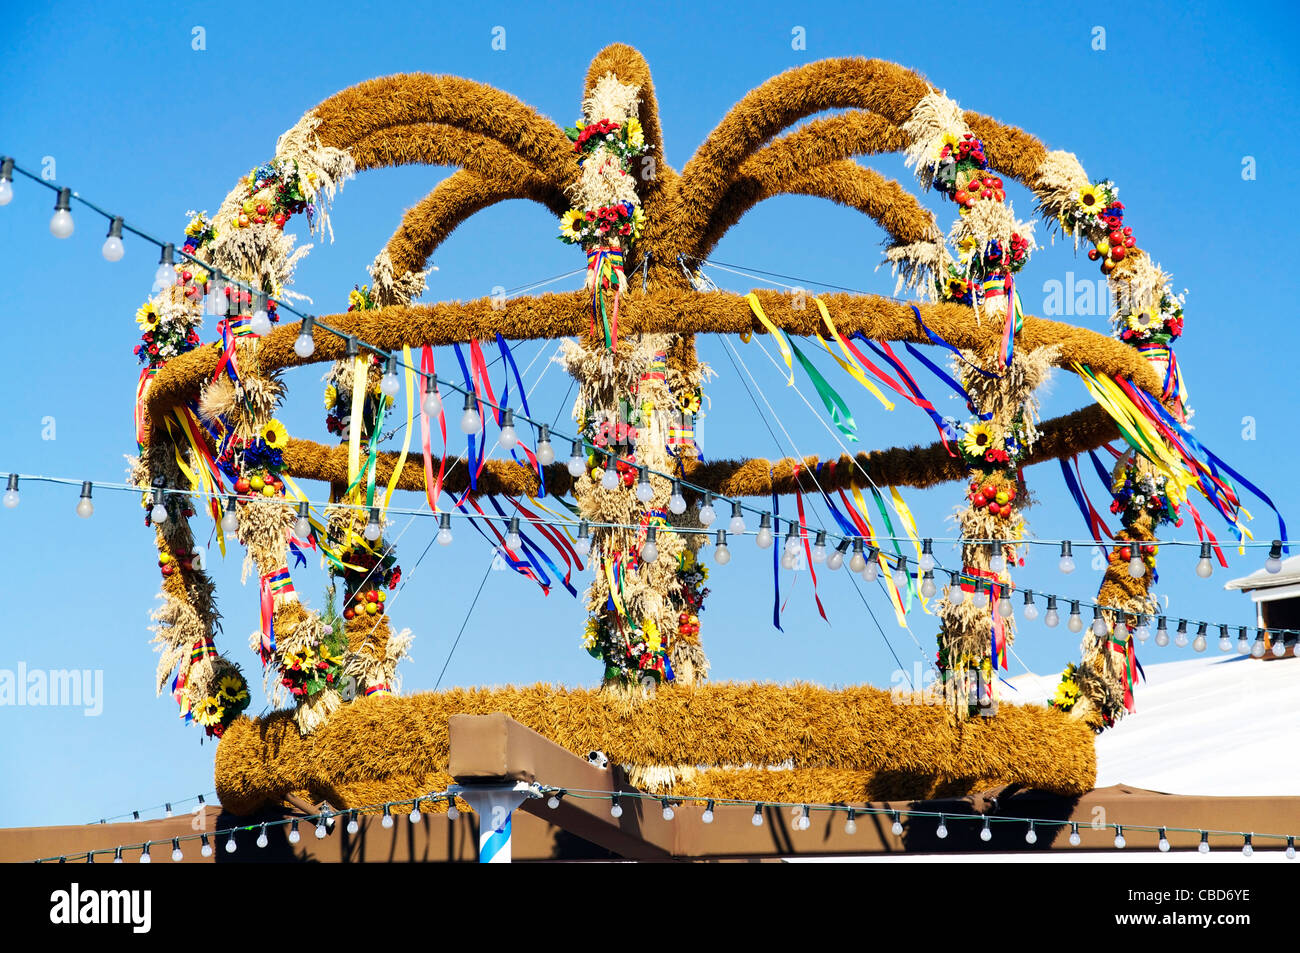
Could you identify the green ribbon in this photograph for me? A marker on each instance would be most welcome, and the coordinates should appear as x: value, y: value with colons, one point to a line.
x: 368, y: 471
x: 835, y: 405
x: 889, y: 529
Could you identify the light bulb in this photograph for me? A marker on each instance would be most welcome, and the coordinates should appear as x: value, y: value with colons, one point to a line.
x: 721, y: 553
x: 262, y: 839
x: 1075, y: 839
x: 835, y: 559
x: 1247, y: 849
x: 1162, y: 632
x: 1180, y: 637
x: 389, y: 385
x: 1067, y: 557
x: 997, y: 562
x: 1273, y: 564
x: 444, y: 529
x: 302, y: 525
x: 668, y: 811
x: 986, y: 833
x: 305, y: 345
x: 1225, y: 643
x: 513, y: 540
x: 260, y: 322
x: 956, y: 594
x: 707, y: 816
x: 1120, y: 842
x: 1204, y: 846
x: 577, y: 462
x: 545, y: 452
x: 206, y: 849
x: 230, y: 844
x: 737, y: 525
x: 1030, y: 611
x: 1136, y: 567
x: 851, y: 825
x: 158, y: 514
x: 1204, y: 568
x: 792, y: 540
x: 708, y: 515
x: 1243, y: 646
x: 1031, y: 835
x: 1142, y: 632
x: 387, y: 819
x: 787, y: 560
x: 6, y: 192
x: 757, y: 818
x: 1005, y: 609
x: 928, y: 587
x: 872, y: 569
x: 321, y: 831
x: 61, y: 225
x: 764, y: 537
x: 650, y: 551
x: 1163, y: 843
x: 176, y: 850
x: 942, y: 830
x: 819, y: 547
x: 113, y: 249
x: 1279, y: 647
x: 1075, y: 622
x: 1290, y: 848
x: 926, y: 562
x: 508, y: 437
x: 677, y: 502
x: 609, y: 479
x: 582, y: 545
x: 294, y: 836
x: 144, y: 855
x: 644, y: 491
x: 85, y: 508
x: 353, y: 824
x: 1257, y: 650
x: 1052, y: 618
x: 470, y: 421
x: 1098, y: 623
x: 616, y: 809
x: 373, y: 529
x: 897, y: 827
x: 857, y: 562
x: 11, y: 492
x: 229, y: 519
x: 414, y: 816
x: 980, y: 598
x: 900, y: 574
x: 1199, y: 643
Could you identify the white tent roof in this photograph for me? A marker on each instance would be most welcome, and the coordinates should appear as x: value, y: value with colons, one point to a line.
x: 1263, y: 579
x: 1217, y: 725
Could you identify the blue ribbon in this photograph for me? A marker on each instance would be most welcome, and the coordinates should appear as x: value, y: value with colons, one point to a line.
x: 936, y: 340
x: 509, y: 359
x: 944, y: 376
x: 776, y: 564
x: 469, y: 386
x: 1077, y: 493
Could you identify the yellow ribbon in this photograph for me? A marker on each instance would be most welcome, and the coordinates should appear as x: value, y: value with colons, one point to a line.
x: 322, y: 532
x: 410, y: 419
x: 613, y: 588
x: 773, y: 330
x: 895, y: 597
x: 909, y: 527
x: 849, y: 362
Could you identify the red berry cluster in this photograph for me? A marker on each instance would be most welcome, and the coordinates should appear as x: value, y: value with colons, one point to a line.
x: 1113, y: 249
x: 980, y: 187
x: 363, y: 603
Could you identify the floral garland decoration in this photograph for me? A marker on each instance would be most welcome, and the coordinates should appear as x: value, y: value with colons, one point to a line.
x: 246, y: 240
x: 607, y: 216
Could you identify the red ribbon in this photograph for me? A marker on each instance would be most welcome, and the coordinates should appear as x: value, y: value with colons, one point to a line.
x: 432, y: 487
x: 803, y: 532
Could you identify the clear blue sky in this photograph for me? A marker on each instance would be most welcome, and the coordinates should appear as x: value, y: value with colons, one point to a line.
x: 141, y: 123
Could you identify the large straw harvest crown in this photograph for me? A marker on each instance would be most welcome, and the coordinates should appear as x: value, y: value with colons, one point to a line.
x: 687, y: 737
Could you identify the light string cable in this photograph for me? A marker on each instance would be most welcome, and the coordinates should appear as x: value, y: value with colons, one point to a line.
x: 324, y: 819
x: 199, y: 801
x: 955, y: 576
x: 451, y: 385
x: 898, y: 815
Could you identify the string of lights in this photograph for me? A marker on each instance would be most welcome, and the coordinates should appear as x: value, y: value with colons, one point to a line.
x: 803, y: 819
x: 471, y: 420
x: 199, y: 800
x: 326, y: 819
x: 863, y: 559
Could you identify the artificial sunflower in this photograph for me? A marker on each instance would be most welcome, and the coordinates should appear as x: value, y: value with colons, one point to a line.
x: 196, y: 226
x: 210, y: 713
x: 302, y: 658
x: 232, y: 689
x: 979, y: 438
x: 568, y: 221
x: 1144, y: 319
x: 274, y: 435
x: 331, y: 396
x: 147, y: 316
x: 951, y: 140
x: 966, y: 247
x: 635, y: 135
x: 1091, y: 199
